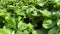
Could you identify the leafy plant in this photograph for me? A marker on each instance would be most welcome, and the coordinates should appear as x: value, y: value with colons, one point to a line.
x: 30, y: 16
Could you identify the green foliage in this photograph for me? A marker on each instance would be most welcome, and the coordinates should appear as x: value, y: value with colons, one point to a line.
x: 53, y: 30
x: 29, y: 16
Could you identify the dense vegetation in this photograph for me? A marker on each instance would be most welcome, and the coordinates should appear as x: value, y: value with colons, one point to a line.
x: 29, y: 16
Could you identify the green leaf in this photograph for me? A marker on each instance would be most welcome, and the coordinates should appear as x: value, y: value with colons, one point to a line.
x: 40, y: 2
x: 53, y: 30
x: 23, y: 26
x: 48, y: 23
x: 10, y: 21
x: 5, y: 31
x: 37, y: 32
x: 45, y: 13
x: 58, y: 22
x: 58, y: 31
